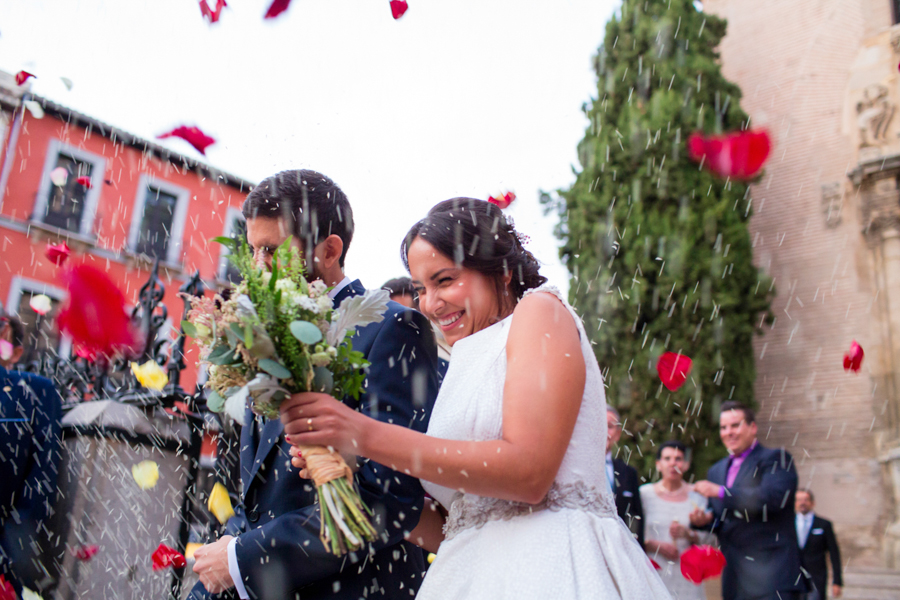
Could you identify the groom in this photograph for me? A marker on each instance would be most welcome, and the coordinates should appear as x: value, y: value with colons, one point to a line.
x: 273, y: 550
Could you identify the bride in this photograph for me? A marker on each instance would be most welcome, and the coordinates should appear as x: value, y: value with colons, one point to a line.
x: 516, y: 441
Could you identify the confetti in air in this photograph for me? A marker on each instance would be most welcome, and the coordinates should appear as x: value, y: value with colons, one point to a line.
x: 58, y: 253
x: 398, y: 8
x: 41, y: 304
x: 192, y: 135
x: 146, y: 474
x: 23, y: 76
x: 740, y: 155
x: 164, y: 557
x: 673, y: 370
x: 854, y: 357
x: 700, y: 563
x: 503, y: 200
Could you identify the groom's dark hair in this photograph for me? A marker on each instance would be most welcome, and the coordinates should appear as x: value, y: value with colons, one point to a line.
x: 311, y: 202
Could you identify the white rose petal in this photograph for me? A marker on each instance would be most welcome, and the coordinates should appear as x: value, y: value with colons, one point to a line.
x: 236, y: 405
x: 317, y: 288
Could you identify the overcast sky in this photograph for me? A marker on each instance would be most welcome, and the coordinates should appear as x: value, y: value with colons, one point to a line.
x: 457, y: 98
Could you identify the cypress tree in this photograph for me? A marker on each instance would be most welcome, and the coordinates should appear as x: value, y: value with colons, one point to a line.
x: 658, y: 249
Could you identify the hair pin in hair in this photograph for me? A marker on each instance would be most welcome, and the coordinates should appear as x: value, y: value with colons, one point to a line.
x: 503, y: 200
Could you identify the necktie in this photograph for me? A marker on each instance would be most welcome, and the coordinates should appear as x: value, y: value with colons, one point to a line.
x: 611, y: 475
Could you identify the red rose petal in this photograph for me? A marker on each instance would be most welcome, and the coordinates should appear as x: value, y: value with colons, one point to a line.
x: 7, y: 591
x: 212, y: 15
x: 854, y: 357
x: 276, y: 8
x: 85, y: 181
x: 655, y: 565
x: 22, y: 77
x: 94, y: 314
x: 700, y: 563
x: 673, y: 369
x: 164, y: 557
x: 739, y: 155
x: 85, y: 553
x: 58, y: 253
x: 398, y: 8
x: 504, y: 200
x: 191, y: 135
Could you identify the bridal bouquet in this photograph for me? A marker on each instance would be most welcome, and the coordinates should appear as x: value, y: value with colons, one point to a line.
x: 276, y: 335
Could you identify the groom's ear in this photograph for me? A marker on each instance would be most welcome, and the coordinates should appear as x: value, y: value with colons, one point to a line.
x: 329, y: 250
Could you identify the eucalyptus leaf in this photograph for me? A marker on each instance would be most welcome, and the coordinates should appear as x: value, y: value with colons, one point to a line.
x: 306, y: 332
x: 215, y: 402
x: 274, y: 368
x: 189, y: 329
x: 323, y: 380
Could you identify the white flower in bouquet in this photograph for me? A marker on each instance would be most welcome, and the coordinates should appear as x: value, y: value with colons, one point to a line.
x: 325, y: 304
x: 318, y: 288
x: 285, y: 285
x: 236, y: 404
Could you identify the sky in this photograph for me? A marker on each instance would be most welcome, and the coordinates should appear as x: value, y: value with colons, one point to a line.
x: 459, y: 98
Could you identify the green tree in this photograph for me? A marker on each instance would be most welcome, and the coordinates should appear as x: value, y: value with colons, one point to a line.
x: 659, y: 250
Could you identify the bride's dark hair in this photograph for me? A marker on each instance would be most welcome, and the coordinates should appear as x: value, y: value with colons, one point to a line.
x: 477, y: 235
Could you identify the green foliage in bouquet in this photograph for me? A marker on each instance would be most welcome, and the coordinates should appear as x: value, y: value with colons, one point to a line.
x: 658, y: 248
x: 278, y: 334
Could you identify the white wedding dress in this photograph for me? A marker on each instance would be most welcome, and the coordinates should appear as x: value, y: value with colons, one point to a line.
x: 570, y: 546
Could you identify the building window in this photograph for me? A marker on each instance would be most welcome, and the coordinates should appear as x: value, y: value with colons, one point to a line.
x: 235, y: 228
x: 42, y: 337
x: 67, y: 204
x: 158, y: 222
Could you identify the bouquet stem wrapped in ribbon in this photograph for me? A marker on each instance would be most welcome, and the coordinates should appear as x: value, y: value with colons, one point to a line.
x: 276, y: 335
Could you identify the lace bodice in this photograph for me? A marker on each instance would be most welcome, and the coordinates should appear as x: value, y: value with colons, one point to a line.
x: 470, y: 407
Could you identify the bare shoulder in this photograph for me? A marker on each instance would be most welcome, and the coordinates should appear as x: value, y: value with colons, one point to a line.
x: 542, y: 313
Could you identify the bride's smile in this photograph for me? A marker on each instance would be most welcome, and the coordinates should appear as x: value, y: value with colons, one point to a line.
x: 460, y: 300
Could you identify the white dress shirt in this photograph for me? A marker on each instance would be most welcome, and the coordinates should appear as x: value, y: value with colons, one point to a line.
x: 804, y: 526
x: 233, y: 568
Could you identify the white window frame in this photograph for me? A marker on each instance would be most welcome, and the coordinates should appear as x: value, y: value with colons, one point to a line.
x: 174, y: 251
x: 91, y: 198
x: 230, y: 216
x: 21, y: 285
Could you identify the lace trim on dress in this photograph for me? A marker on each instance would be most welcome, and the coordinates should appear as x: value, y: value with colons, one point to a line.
x: 474, y: 511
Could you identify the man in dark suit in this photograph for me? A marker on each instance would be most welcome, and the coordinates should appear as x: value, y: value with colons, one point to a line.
x: 751, y: 499
x: 30, y: 422
x: 623, y: 479
x: 815, y: 537
x: 273, y: 549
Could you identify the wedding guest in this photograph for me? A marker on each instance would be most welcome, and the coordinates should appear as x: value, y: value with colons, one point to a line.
x: 623, y: 479
x: 402, y: 291
x: 30, y: 422
x: 815, y: 537
x: 751, y: 511
x: 13, y: 333
x: 667, y: 507
x: 273, y: 549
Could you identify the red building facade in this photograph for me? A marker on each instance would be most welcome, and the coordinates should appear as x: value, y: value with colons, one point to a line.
x: 141, y: 202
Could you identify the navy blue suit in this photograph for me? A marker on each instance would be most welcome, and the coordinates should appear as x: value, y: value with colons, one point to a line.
x: 755, y: 527
x: 278, y: 549
x: 30, y: 416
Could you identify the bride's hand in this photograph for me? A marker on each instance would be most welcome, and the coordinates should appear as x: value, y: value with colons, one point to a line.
x: 299, y: 462
x: 314, y: 419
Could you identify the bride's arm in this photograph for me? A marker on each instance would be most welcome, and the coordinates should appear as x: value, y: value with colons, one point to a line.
x: 541, y: 399
x: 429, y: 533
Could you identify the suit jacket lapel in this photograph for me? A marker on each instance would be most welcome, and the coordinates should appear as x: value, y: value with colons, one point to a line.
x: 748, y: 466
x: 354, y: 288
x: 271, y: 436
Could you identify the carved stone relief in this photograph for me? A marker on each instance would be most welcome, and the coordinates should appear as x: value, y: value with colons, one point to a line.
x: 832, y: 203
x: 874, y: 113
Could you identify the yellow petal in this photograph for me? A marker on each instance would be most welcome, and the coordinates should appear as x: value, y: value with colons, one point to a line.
x: 150, y: 375
x: 190, y: 549
x: 431, y: 557
x: 28, y: 594
x: 145, y: 473
x: 220, y: 504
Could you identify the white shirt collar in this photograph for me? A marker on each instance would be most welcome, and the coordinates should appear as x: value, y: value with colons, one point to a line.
x: 337, y: 288
x: 609, y: 456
